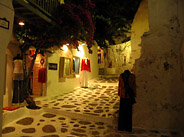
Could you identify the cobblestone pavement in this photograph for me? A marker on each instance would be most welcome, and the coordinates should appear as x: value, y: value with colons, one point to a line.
x: 85, y: 112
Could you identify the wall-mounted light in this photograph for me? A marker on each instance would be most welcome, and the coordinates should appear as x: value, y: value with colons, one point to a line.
x: 21, y: 23
x: 80, y: 53
x: 65, y: 48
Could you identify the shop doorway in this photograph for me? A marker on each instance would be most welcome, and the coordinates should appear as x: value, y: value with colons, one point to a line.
x: 36, y: 88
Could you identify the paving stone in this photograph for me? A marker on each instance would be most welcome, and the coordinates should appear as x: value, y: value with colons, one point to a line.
x: 99, y: 123
x: 98, y: 111
x: 49, y: 129
x: 101, y: 127
x: 77, y: 110
x: 95, y: 133
x: 61, y: 118
x: 56, y: 108
x: 52, y: 102
x: 87, y: 110
x: 25, y: 121
x: 93, y: 104
x: 45, y: 105
x: 29, y: 130
x: 56, y: 104
x: 84, y: 122
x: 76, y: 125
x: 92, y: 125
x: 8, y: 130
x: 60, y: 99
x: 49, y: 115
x: 78, y: 135
x: 79, y: 130
x: 64, y: 130
x: 51, y: 136
x: 42, y: 120
x: 68, y: 106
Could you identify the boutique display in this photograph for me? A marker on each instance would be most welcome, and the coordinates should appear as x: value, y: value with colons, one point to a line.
x: 76, y: 63
x: 18, y: 77
x: 85, y: 69
x: 64, y: 68
x: 42, y: 73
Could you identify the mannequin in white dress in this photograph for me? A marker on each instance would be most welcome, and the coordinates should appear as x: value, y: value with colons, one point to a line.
x: 18, y: 78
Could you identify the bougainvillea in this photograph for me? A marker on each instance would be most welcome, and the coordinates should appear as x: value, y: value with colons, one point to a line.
x: 75, y: 23
x: 72, y: 23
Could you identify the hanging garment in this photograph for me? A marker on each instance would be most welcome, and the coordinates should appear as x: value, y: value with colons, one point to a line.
x: 85, y: 69
x: 18, y: 70
x: 42, y: 75
x: 85, y: 65
x: 84, y: 79
x: 18, y: 80
x: 18, y: 91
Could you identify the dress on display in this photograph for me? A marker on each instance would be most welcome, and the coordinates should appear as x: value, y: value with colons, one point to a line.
x: 42, y: 75
x: 18, y: 78
x: 85, y: 68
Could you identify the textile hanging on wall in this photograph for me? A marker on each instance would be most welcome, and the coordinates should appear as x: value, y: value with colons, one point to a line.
x: 42, y: 75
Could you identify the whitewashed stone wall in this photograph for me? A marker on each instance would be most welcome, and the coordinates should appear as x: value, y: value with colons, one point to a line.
x: 6, y: 11
x: 140, y: 25
x: 159, y: 70
x: 66, y: 86
x: 119, y: 56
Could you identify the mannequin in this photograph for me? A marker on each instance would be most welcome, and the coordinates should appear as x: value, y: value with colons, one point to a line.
x: 85, y: 68
x: 18, y: 78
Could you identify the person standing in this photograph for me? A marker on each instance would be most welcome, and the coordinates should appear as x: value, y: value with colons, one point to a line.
x: 127, y: 94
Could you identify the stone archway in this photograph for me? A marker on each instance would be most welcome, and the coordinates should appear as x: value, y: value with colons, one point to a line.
x: 7, y: 18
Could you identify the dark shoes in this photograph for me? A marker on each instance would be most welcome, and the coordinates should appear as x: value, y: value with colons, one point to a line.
x: 128, y: 130
x: 33, y: 107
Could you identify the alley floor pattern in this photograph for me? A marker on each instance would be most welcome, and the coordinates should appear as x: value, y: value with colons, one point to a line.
x: 85, y: 112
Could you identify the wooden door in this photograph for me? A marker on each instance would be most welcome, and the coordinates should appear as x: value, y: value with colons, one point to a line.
x: 37, y: 86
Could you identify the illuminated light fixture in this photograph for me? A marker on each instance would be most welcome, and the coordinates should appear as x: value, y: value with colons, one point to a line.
x: 80, y: 53
x: 65, y: 48
x: 21, y: 23
x: 67, y: 44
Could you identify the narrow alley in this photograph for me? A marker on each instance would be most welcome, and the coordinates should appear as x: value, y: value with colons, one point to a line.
x: 84, y: 112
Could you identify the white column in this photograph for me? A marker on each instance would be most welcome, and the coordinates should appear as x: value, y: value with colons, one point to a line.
x: 6, y: 11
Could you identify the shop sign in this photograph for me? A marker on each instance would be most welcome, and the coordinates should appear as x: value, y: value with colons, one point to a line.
x: 52, y: 66
x: 4, y: 23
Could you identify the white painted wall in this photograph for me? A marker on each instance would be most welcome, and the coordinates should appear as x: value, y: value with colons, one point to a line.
x: 140, y: 25
x: 54, y: 86
x: 119, y: 55
x: 11, y: 51
x: 159, y: 70
x: 6, y: 11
